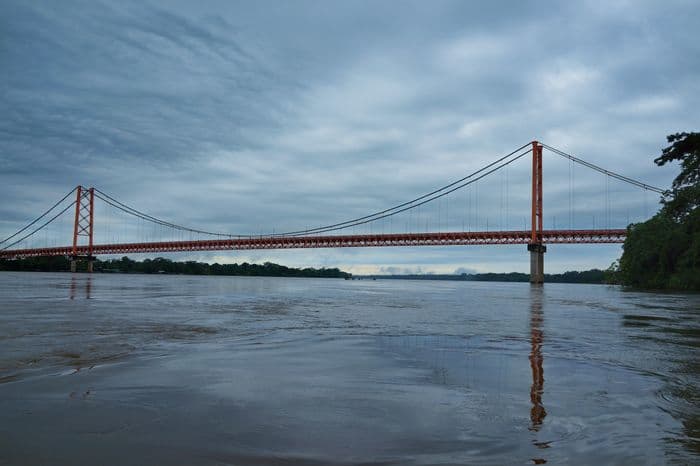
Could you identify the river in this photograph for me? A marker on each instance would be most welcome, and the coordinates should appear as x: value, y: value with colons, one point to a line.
x: 142, y: 369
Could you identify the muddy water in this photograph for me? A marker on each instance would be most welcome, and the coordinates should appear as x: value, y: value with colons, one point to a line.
x: 127, y: 369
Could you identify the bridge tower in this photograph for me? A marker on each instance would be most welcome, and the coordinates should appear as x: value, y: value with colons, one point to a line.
x: 85, y: 201
x: 536, y: 245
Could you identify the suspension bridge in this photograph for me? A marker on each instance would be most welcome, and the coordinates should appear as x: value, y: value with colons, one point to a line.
x: 80, y: 205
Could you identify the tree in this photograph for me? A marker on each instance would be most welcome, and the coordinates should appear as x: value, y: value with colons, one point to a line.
x: 664, y: 251
x: 685, y: 195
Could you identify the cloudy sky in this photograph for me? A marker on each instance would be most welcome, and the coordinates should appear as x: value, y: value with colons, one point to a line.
x: 252, y: 117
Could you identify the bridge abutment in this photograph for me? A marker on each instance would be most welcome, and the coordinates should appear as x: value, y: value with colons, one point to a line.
x: 537, y: 262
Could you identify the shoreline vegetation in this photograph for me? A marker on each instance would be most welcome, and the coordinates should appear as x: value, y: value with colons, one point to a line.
x: 593, y: 277
x: 663, y: 253
x: 161, y: 265
x: 168, y: 267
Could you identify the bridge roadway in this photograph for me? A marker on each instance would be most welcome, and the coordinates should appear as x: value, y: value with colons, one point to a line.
x: 333, y: 241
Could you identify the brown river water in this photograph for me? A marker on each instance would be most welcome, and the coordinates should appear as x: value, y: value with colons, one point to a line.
x: 137, y: 369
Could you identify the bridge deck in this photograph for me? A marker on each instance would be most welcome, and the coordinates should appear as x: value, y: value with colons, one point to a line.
x: 345, y: 241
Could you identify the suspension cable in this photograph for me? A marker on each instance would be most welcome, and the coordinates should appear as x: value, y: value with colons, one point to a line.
x: 333, y: 227
x: 455, y: 188
x: 130, y: 210
x: 39, y: 217
x: 606, y: 172
x: 408, y: 203
x: 39, y: 228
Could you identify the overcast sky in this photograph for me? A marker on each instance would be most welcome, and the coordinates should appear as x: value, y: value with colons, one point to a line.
x: 249, y: 117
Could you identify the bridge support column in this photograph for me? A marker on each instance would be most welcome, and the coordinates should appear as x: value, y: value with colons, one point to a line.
x: 537, y: 262
x: 536, y: 248
x: 88, y: 259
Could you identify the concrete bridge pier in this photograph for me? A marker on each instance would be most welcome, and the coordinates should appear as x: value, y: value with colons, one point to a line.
x: 74, y: 263
x: 537, y: 251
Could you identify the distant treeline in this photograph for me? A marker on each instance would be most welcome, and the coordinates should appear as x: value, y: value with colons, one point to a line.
x: 167, y: 266
x: 594, y: 276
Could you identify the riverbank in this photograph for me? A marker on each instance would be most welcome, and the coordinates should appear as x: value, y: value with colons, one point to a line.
x: 591, y: 277
x: 268, y: 269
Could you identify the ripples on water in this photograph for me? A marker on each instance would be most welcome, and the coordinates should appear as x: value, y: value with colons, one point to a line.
x: 126, y: 369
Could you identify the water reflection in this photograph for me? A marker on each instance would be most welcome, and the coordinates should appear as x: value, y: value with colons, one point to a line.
x: 74, y: 285
x: 537, y: 411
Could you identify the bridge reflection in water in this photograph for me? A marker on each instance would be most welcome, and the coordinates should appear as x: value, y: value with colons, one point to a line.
x: 537, y: 410
x: 76, y: 284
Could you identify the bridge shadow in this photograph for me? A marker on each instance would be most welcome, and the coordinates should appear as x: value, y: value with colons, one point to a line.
x: 537, y: 410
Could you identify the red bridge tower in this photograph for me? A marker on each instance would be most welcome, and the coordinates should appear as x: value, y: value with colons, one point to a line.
x: 84, y: 204
x: 536, y: 245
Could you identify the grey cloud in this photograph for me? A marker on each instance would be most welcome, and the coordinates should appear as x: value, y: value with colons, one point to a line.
x: 142, y: 86
x: 254, y: 116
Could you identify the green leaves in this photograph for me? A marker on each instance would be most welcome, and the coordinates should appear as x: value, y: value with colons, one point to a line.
x: 664, y: 251
x: 685, y: 196
x: 685, y: 148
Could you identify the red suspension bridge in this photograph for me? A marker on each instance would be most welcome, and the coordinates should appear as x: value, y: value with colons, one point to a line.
x: 536, y: 237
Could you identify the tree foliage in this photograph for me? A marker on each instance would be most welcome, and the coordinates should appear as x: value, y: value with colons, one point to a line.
x: 664, y: 251
x: 593, y: 276
x: 685, y: 195
x: 167, y: 266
